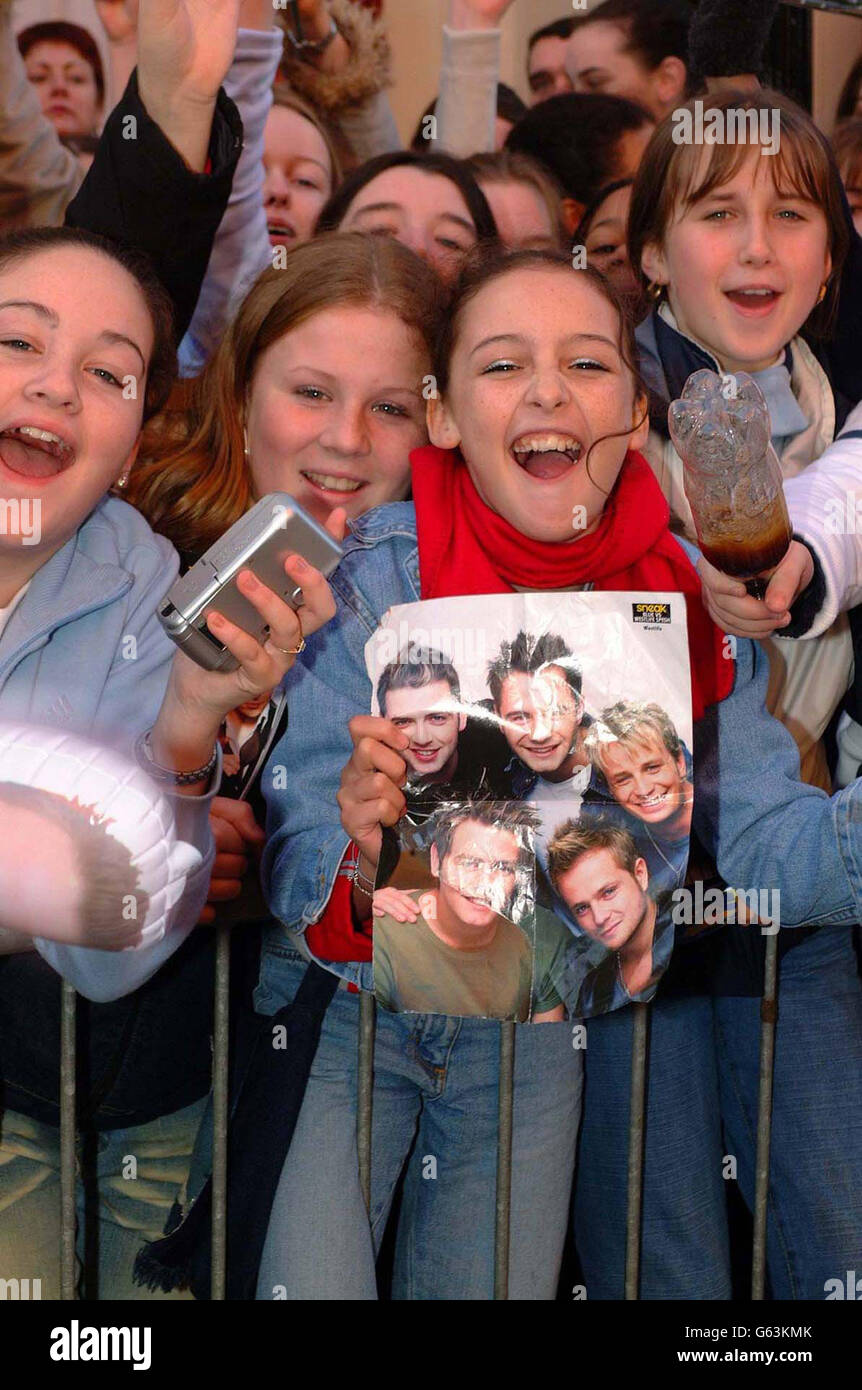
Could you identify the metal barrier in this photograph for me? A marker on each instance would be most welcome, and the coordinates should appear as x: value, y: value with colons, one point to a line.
x: 365, y: 1088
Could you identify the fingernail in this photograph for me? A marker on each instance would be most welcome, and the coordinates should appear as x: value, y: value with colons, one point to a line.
x: 251, y: 579
x: 299, y: 564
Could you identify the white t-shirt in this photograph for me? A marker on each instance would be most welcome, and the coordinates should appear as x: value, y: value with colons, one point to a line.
x: 6, y: 613
x: 558, y: 802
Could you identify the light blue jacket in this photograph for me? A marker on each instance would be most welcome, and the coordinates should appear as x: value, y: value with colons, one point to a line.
x: 764, y: 828
x: 84, y: 651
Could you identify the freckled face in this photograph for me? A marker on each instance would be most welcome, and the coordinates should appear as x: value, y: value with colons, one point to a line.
x: 335, y: 409
x: 540, y: 401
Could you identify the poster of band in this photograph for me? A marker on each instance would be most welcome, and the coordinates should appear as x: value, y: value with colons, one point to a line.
x: 549, y: 802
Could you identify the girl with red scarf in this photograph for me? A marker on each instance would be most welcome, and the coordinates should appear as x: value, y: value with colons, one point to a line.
x: 533, y: 482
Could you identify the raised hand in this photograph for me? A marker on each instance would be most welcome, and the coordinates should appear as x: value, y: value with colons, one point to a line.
x: 196, y: 701
x: 185, y: 48
x: 477, y: 14
x: 119, y: 19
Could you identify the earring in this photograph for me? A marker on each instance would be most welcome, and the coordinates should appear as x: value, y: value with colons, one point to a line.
x: 123, y: 479
x: 822, y: 295
x: 245, y: 448
x: 654, y: 291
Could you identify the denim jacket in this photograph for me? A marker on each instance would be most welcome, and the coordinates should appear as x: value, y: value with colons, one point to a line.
x: 763, y: 827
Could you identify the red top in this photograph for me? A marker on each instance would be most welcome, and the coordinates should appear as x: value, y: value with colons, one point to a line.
x: 466, y: 548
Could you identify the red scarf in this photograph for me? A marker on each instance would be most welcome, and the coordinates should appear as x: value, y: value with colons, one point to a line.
x: 466, y: 548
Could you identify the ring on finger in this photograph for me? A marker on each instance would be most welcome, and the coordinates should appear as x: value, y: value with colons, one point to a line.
x: 292, y: 651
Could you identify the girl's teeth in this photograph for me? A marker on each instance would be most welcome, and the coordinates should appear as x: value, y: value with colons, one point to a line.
x: 40, y: 434
x: 556, y: 444
x: 332, y: 483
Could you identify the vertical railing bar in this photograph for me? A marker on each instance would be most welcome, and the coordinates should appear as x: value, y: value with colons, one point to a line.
x: 221, y: 1006
x: 365, y: 1086
x: 768, y: 1019
x: 634, y: 1203
x: 68, y: 1146
x: 502, y: 1223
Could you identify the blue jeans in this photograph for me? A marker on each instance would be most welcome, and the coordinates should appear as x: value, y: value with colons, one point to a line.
x: 435, y: 1108
x: 702, y: 1106
x: 140, y: 1172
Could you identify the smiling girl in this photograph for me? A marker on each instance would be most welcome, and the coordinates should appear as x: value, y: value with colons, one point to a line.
x: 743, y: 251
x: 316, y: 390
x: 538, y: 419
x: 85, y: 357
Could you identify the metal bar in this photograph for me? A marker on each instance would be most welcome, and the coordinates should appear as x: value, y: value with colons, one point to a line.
x: 768, y: 1020
x: 221, y: 1006
x: 502, y: 1225
x: 634, y: 1207
x: 68, y: 1148
x: 365, y: 1085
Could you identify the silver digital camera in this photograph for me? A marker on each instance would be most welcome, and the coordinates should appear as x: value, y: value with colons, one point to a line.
x: 260, y: 541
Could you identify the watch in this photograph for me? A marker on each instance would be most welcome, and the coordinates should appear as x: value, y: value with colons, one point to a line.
x: 305, y: 46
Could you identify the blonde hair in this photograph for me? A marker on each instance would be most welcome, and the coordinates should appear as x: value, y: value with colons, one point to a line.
x: 630, y: 722
x: 194, y: 480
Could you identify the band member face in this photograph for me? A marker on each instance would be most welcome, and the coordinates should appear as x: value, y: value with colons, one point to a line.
x: 431, y: 723
x: 251, y: 710
x: 606, y: 901
x: 647, y: 780
x: 478, y: 874
x: 541, y: 714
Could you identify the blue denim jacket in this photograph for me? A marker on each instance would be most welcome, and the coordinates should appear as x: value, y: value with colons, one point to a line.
x: 763, y: 827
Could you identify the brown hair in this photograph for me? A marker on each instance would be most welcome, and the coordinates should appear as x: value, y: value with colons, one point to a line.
x: 74, y: 36
x: 674, y: 176
x: 485, y: 264
x: 506, y: 166
x: 847, y: 149
x: 283, y: 96
x: 573, y: 840
x: 162, y: 366
x: 194, y: 481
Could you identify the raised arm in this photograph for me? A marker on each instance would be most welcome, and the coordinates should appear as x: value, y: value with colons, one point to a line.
x: 163, y: 168
x: 241, y: 249
x: 467, y: 104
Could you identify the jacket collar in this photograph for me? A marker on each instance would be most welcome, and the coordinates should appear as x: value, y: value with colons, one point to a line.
x: 679, y: 356
x: 68, y: 586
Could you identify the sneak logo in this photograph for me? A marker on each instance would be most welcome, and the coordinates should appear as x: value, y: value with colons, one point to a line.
x: 650, y: 612
x: 77, y: 1343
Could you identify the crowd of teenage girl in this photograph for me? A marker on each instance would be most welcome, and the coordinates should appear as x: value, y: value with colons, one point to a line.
x: 282, y: 279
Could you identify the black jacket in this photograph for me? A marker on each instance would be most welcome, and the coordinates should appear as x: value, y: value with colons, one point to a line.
x: 140, y: 192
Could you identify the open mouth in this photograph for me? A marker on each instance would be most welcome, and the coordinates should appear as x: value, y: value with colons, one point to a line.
x: 425, y: 755
x: 546, y: 456
x: 754, y: 300
x: 331, y: 482
x: 34, y: 453
x: 281, y: 231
